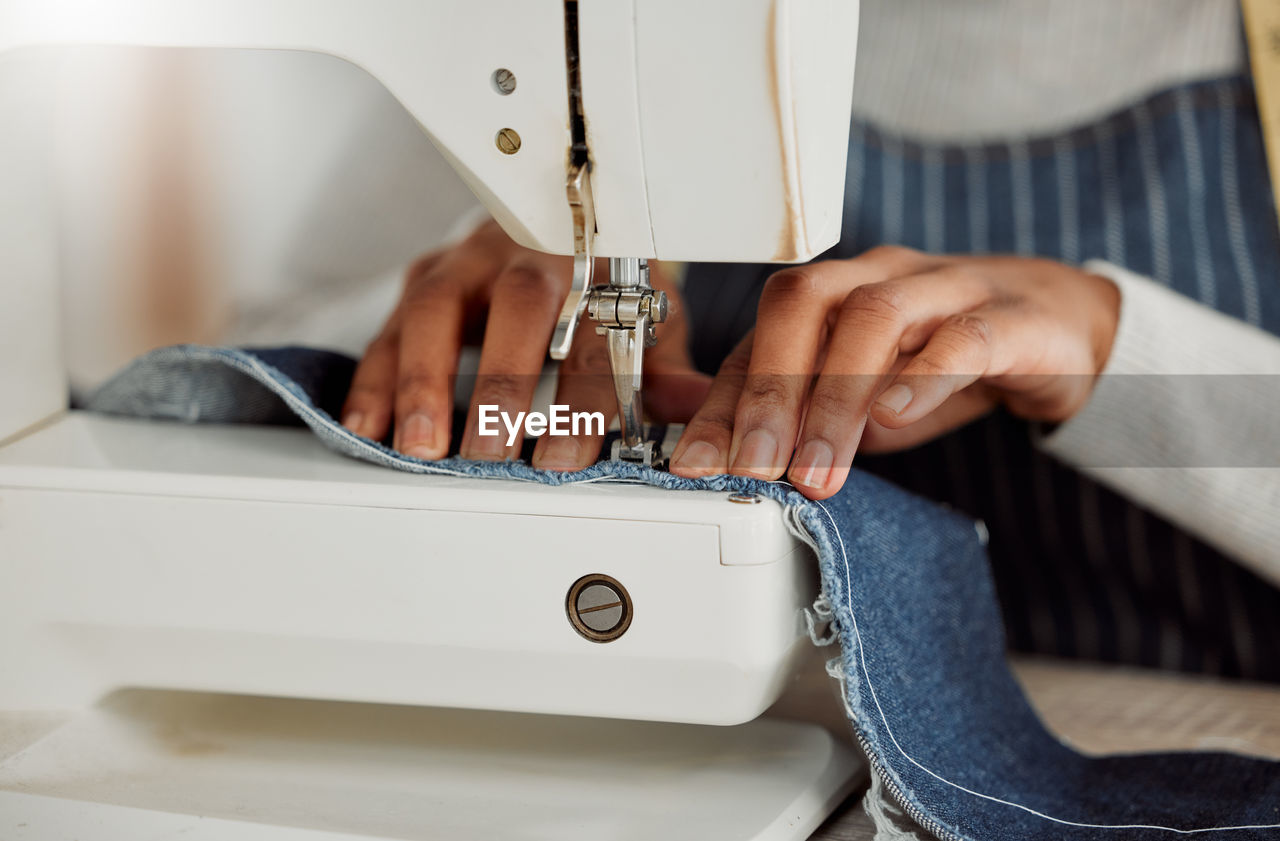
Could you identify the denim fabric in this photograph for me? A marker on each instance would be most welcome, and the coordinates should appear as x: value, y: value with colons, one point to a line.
x: 931, y: 700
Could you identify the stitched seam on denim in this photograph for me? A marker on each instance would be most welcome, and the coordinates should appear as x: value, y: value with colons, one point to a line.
x: 992, y: 798
x: 813, y: 536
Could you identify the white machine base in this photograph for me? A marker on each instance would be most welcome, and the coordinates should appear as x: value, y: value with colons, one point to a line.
x: 252, y: 561
x: 308, y: 630
x: 196, y: 766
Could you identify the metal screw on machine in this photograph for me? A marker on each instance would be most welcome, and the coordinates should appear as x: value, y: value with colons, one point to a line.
x: 508, y: 141
x: 744, y: 498
x: 599, y: 608
x: 504, y: 81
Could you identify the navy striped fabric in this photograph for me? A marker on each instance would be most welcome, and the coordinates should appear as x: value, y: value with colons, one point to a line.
x: 1174, y: 188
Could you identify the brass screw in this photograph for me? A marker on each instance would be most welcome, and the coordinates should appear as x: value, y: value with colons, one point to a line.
x: 508, y: 141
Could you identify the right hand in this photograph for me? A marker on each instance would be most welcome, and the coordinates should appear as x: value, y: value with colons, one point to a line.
x: 488, y: 285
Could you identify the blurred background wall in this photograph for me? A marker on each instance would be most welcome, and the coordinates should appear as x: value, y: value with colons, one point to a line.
x: 234, y: 196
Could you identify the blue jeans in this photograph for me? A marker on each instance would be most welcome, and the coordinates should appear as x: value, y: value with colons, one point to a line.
x: 930, y: 697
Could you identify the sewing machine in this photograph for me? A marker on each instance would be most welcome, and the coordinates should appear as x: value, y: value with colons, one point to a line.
x: 229, y: 632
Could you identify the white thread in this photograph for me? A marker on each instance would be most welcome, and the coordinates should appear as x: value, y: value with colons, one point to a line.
x: 889, y: 730
x: 835, y: 669
x: 813, y: 617
x: 891, y: 822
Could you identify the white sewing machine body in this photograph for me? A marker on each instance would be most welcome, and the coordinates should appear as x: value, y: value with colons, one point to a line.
x: 249, y: 561
x: 295, y: 572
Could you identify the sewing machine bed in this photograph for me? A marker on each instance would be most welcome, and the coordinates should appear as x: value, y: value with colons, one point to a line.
x: 252, y: 560
x: 183, y: 587
x: 204, y: 767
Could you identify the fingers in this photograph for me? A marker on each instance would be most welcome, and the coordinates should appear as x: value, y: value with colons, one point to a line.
x: 703, y: 449
x: 961, y: 408
x: 585, y: 385
x: 875, y: 323
x: 964, y: 349
x: 371, y: 399
x: 788, y: 335
x: 430, y: 337
x: 522, y: 315
x: 368, y: 407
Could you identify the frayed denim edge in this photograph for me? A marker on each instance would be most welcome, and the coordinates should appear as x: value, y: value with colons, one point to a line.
x: 811, y: 523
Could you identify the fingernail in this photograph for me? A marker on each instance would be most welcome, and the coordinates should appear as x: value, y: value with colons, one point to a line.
x: 701, y: 456
x: 485, y: 447
x: 758, y: 452
x: 812, y: 467
x: 417, y: 438
x: 561, y: 454
x: 355, y: 422
x: 895, y: 398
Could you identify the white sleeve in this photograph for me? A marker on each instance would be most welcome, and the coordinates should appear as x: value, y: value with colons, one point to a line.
x: 1185, y: 420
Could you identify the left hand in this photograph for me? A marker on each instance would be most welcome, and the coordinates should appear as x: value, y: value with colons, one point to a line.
x: 893, y: 348
x: 489, y: 287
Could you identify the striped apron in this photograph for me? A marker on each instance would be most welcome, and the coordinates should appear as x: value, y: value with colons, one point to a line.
x: 1173, y: 188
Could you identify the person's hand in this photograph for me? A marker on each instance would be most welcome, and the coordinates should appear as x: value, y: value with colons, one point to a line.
x: 894, y: 348
x: 487, y: 286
